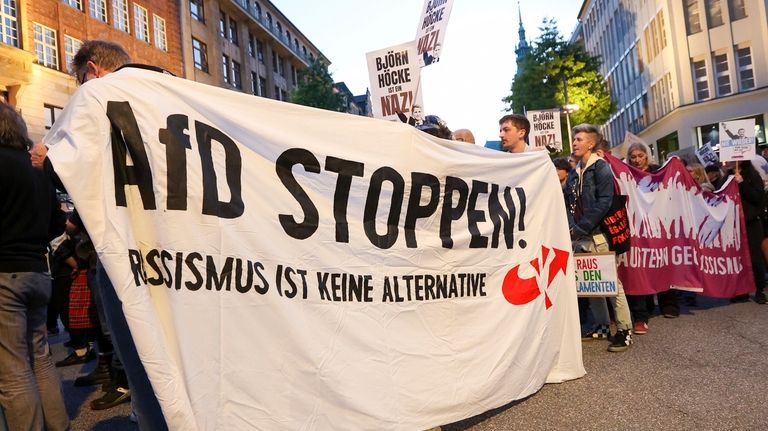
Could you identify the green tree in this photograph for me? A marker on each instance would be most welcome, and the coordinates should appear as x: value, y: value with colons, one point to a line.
x: 316, y: 88
x: 554, y: 65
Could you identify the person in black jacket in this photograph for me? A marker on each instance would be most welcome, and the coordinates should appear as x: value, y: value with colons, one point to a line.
x: 753, y: 204
x: 30, y: 217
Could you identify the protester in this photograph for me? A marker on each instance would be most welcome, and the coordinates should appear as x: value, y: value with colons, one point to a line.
x: 435, y: 126
x: 513, y: 131
x: 95, y: 59
x: 639, y: 156
x: 697, y: 172
x: 563, y: 168
x: 464, y: 135
x: 588, y: 195
x: 753, y: 205
x: 715, y: 176
x: 30, y: 389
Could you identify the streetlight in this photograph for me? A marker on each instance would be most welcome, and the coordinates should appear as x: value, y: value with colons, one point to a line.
x: 568, y: 108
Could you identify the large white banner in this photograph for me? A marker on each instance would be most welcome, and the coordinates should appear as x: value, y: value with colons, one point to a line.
x: 285, y: 268
x: 395, y: 82
x: 430, y: 32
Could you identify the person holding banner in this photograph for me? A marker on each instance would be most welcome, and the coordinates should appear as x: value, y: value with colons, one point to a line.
x: 753, y: 205
x: 640, y: 157
x: 95, y: 59
x: 588, y: 195
x: 513, y: 131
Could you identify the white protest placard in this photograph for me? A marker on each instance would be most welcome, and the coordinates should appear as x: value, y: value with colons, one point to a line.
x: 707, y: 155
x: 737, y: 140
x: 596, y: 274
x: 431, y: 30
x: 394, y: 73
x: 545, y: 130
x: 344, y: 273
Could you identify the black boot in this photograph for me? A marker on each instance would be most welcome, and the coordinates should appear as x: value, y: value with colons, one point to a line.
x: 116, y: 394
x: 100, y: 374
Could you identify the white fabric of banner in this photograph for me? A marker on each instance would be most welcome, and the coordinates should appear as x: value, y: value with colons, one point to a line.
x: 281, y: 350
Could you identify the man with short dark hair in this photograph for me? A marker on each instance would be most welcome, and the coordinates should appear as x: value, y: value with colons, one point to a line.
x: 30, y: 217
x: 513, y: 131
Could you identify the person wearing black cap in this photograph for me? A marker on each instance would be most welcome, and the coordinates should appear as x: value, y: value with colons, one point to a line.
x: 435, y: 126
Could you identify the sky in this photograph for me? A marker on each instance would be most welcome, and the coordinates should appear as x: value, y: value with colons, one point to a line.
x: 477, y: 62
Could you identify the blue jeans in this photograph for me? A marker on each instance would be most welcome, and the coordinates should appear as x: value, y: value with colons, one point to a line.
x: 30, y: 388
x: 143, y: 397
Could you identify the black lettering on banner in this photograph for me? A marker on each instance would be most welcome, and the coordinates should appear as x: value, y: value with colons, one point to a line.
x: 218, y: 279
x: 500, y: 218
x: 239, y: 285
x: 415, y: 210
x: 521, y: 221
x: 190, y: 261
x: 264, y: 287
x: 165, y: 256
x: 152, y: 257
x: 137, y: 267
x: 384, y: 173
x: 346, y: 170
x: 476, y: 216
x: 126, y: 139
x: 452, y: 213
x: 176, y: 143
x: 179, y: 268
x: 283, y: 166
x: 233, y: 168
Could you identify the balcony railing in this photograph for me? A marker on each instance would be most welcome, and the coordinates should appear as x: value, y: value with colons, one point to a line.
x: 278, y: 35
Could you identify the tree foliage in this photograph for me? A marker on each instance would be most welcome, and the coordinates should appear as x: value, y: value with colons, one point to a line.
x: 316, y: 89
x: 551, y: 64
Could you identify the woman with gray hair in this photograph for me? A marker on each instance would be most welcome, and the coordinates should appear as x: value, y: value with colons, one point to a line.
x: 639, y: 156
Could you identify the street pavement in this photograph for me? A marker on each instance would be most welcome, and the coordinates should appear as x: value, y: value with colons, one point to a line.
x: 702, y: 371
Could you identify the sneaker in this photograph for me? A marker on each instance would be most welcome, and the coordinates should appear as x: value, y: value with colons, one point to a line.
x: 116, y: 396
x: 640, y: 327
x: 98, y: 376
x: 621, y: 341
x: 74, y: 358
x: 760, y: 297
x: 599, y: 332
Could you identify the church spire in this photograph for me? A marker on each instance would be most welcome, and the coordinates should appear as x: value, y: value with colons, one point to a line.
x: 522, y: 48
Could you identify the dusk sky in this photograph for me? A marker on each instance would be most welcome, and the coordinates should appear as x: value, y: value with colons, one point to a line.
x: 477, y: 63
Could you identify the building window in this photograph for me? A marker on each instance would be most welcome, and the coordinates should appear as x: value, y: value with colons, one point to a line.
x: 9, y: 25
x: 277, y: 93
x: 222, y: 24
x: 254, y: 84
x: 692, y: 16
x: 45, y: 46
x: 161, y: 40
x: 50, y: 113
x: 281, y: 66
x: 744, y: 62
x: 269, y: 21
x: 200, y: 55
x: 714, y: 13
x: 236, y: 80
x: 196, y: 10
x: 296, y: 44
x: 77, y: 4
x: 98, y: 9
x: 274, y: 62
x: 260, y: 51
x: 257, y: 8
x: 738, y: 9
x: 251, y: 45
x: 140, y: 23
x: 120, y: 15
x: 294, y: 78
x: 262, y: 86
x: 722, y: 77
x: 71, y: 46
x: 225, y: 68
x: 279, y: 30
x: 233, y: 32
x: 700, y: 79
